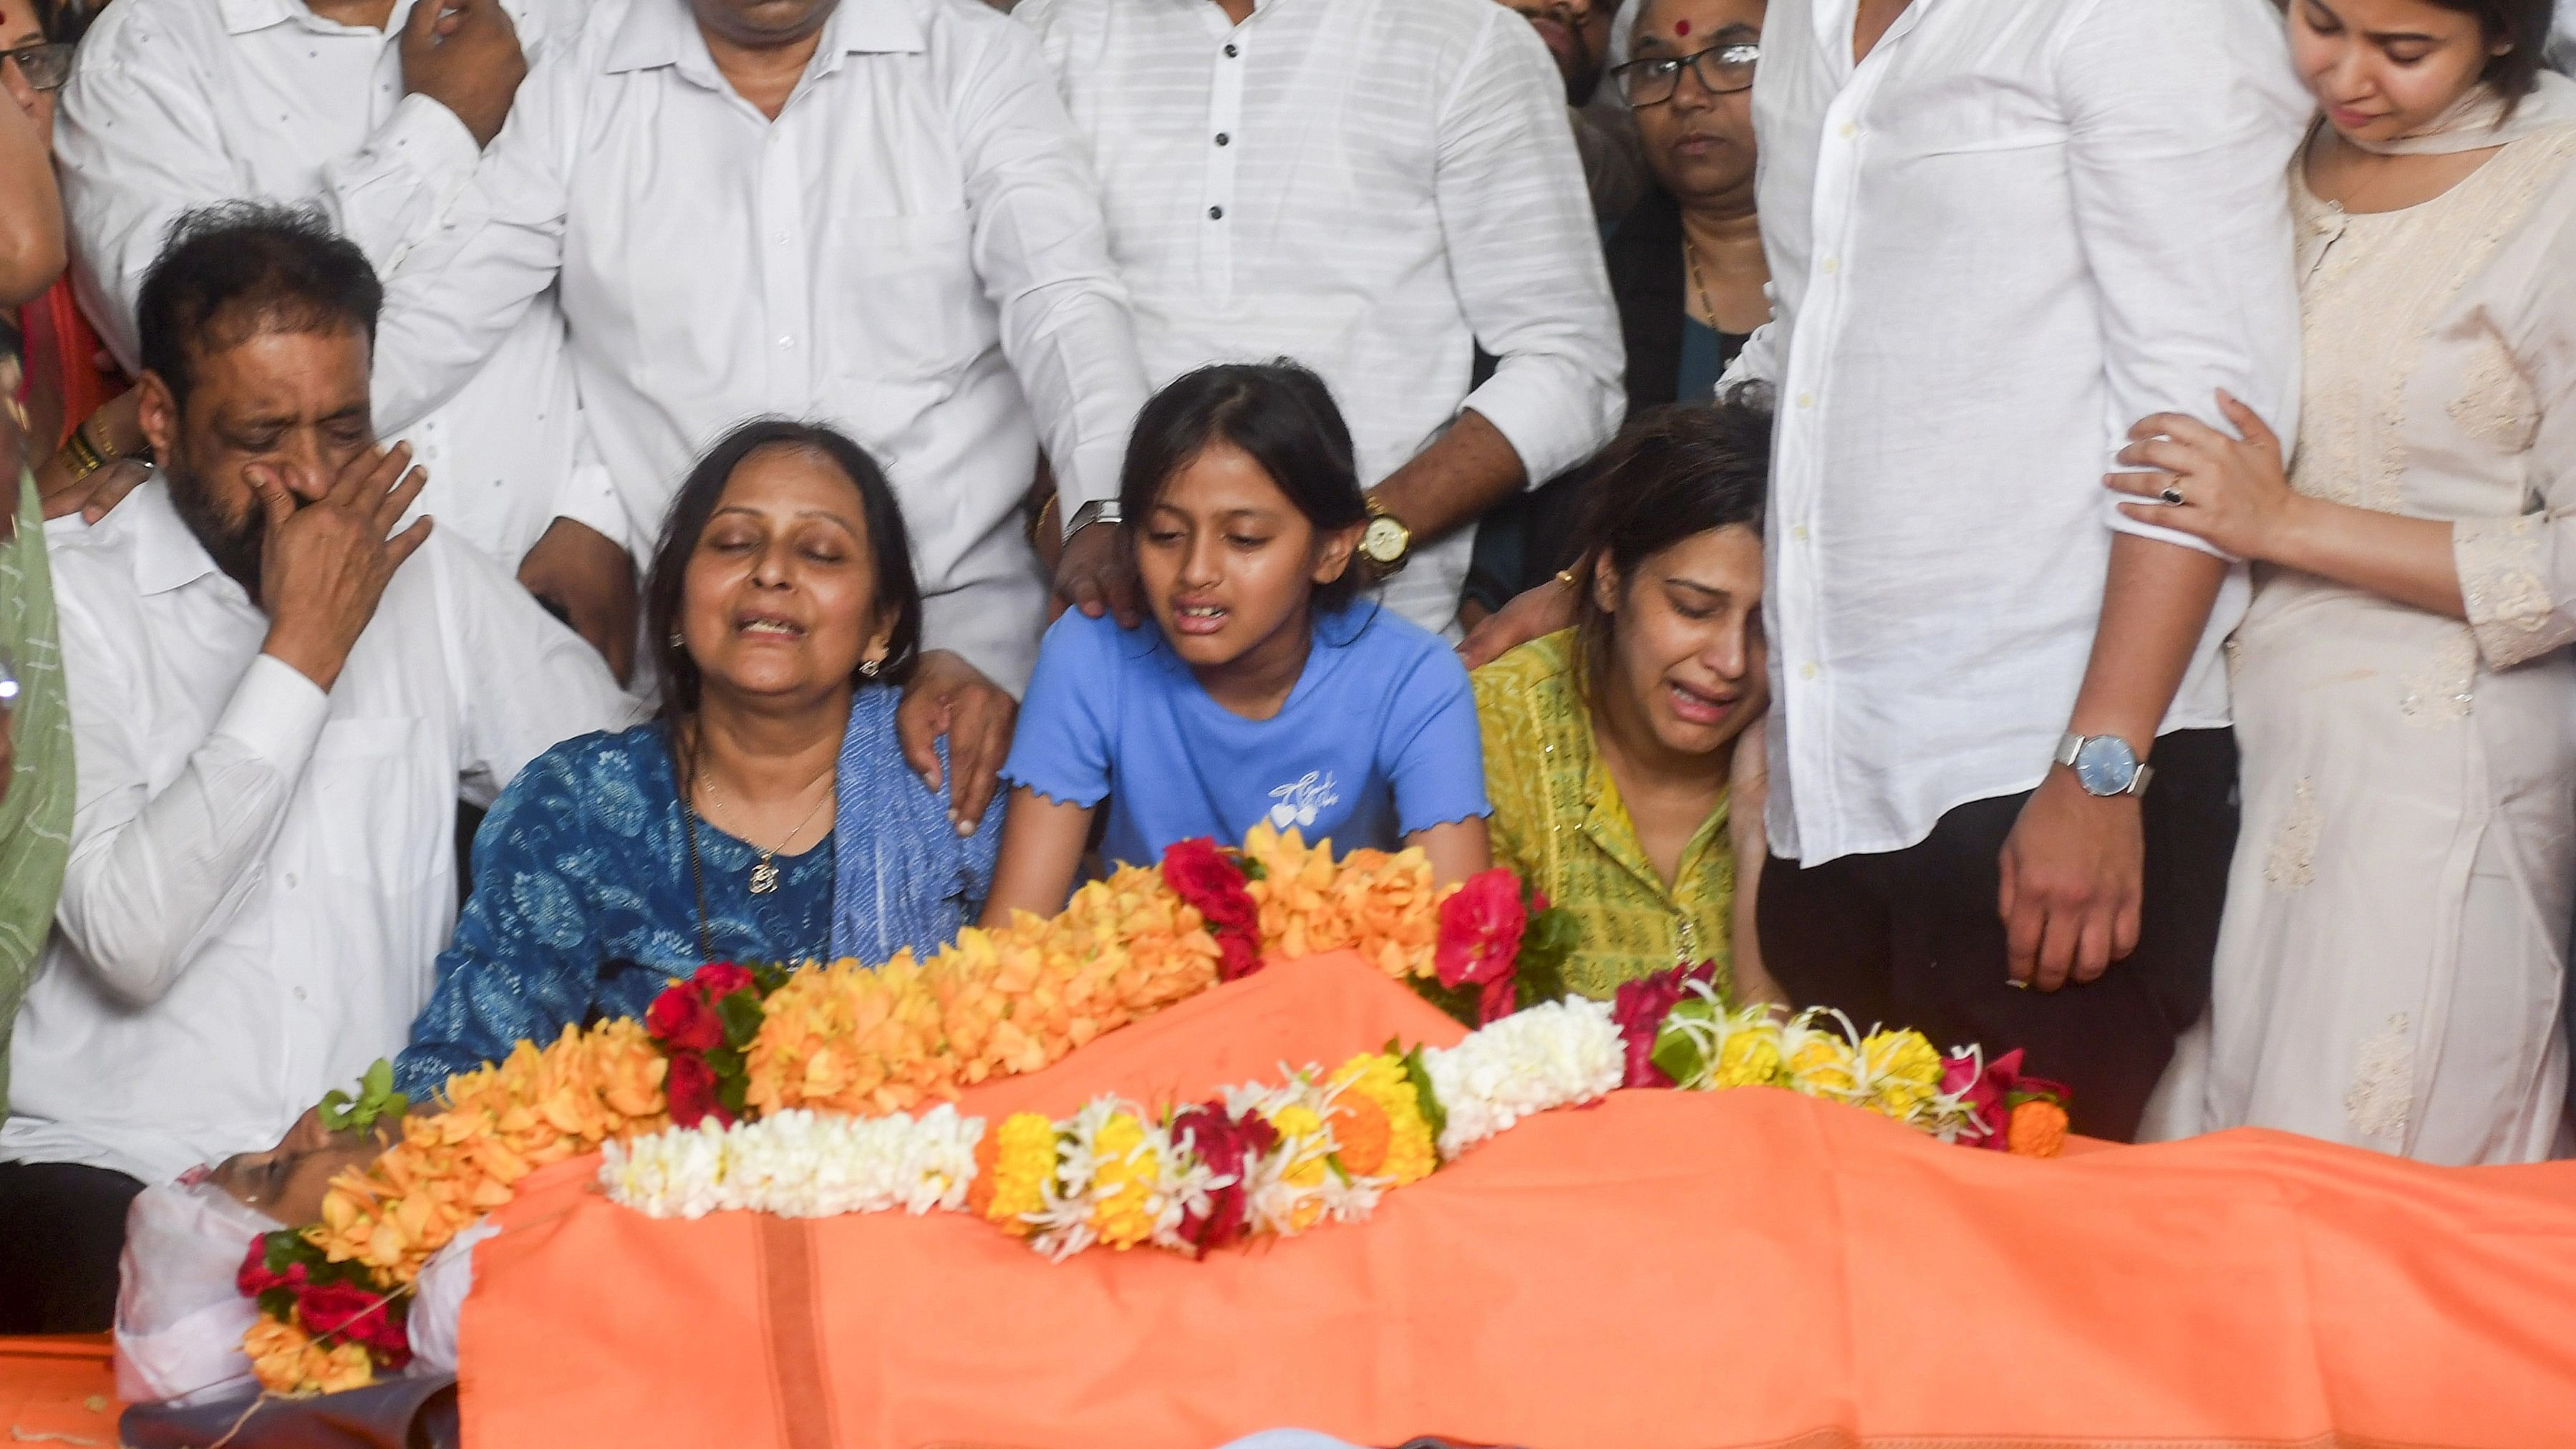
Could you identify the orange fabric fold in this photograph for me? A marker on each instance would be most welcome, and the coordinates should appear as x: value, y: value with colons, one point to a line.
x: 58, y: 1389
x: 1700, y: 1271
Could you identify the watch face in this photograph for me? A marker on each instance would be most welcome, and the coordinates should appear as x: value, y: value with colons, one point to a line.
x: 2105, y: 765
x: 1385, y: 539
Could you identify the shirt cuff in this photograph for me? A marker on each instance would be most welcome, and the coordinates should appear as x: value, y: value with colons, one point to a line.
x: 1541, y: 412
x: 276, y: 712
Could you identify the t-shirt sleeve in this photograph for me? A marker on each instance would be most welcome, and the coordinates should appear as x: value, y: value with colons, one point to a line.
x: 1433, y: 752
x: 1061, y: 747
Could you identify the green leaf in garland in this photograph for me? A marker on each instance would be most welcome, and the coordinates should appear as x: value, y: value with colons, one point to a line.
x: 376, y: 1101
x: 1678, y: 1054
x: 1538, y: 972
x: 734, y: 1092
x: 741, y: 1014
x: 724, y: 1062
x: 1434, y: 1116
x: 277, y: 1303
x: 1253, y: 870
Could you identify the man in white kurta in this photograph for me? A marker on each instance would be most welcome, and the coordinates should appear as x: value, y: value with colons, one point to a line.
x: 181, y: 103
x: 906, y: 245
x: 1376, y: 189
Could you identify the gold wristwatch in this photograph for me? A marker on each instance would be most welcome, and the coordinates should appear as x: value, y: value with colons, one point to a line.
x: 1386, y: 543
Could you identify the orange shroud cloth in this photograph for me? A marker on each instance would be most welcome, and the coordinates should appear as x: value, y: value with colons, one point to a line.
x: 1694, y: 1270
x: 58, y: 1389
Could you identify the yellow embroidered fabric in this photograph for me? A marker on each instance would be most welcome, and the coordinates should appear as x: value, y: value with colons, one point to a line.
x: 1558, y: 822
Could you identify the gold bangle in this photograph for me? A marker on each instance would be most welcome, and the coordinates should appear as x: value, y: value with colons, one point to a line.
x: 80, y: 456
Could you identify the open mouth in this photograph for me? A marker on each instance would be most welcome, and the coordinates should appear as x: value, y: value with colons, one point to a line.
x: 1693, y: 707
x: 1198, y: 618
x: 768, y: 626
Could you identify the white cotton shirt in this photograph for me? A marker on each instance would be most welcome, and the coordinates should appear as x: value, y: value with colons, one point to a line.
x: 912, y: 252
x: 2013, y: 231
x: 261, y: 874
x: 177, y: 104
x: 1370, y: 187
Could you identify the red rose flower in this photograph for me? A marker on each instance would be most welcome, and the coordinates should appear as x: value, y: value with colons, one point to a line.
x: 256, y: 1277
x: 1213, y: 885
x: 1229, y: 1147
x: 690, y: 1089
x: 1480, y: 938
x: 1201, y: 875
x: 720, y: 979
x: 1639, y: 1011
x: 682, y: 1021
x: 356, y: 1315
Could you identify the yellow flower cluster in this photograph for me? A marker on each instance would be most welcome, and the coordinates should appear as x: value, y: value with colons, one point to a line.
x: 1902, y: 1072
x: 1379, y: 1080
x: 1309, y: 1160
x: 288, y: 1361
x: 1123, y: 1209
x: 502, y: 1122
x: 1014, y: 1163
x: 1382, y: 906
x: 849, y: 1038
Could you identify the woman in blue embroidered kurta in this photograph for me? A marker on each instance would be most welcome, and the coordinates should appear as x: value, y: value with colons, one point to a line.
x: 784, y: 604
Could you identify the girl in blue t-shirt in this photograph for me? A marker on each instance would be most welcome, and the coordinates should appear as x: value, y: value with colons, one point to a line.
x: 1261, y: 690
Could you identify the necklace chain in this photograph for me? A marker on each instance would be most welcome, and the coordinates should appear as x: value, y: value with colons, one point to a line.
x: 764, y: 874
x: 1690, y: 254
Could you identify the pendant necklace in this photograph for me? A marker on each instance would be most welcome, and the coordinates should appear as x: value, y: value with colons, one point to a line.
x: 764, y: 874
x: 1690, y: 254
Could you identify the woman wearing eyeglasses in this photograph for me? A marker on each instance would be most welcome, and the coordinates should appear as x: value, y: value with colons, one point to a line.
x: 1686, y: 265
x: 31, y: 213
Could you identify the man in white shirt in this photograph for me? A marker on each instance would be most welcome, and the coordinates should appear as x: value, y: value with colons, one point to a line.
x: 378, y: 110
x: 1374, y: 188
x: 276, y: 709
x: 870, y: 213
x: 2000, y: 233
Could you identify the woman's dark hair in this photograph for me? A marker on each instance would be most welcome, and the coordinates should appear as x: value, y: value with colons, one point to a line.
x: 1282, y: 416
x: 890, y: 547
x: 1673, y: 472
x: 2521, y: 24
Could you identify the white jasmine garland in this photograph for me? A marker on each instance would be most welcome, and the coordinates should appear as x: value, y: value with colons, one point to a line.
x: 798, y: 1164
x: 1556, y: 1054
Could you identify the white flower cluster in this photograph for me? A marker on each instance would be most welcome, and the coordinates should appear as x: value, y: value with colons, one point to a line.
x: 798, y: 1164
x: 1555, y: 1054
x: 1299, y: 1183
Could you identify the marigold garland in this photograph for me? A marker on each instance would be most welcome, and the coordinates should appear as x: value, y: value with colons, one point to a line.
x: 1278, y: 1160
x: 808, y: 1057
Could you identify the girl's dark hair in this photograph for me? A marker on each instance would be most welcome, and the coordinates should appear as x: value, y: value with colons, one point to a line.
x: 897, y: 591
x: 1673, y: 472
x: 2522, y: 24
x: 1282, y: 416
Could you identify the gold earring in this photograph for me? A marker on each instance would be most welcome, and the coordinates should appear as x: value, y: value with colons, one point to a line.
x: 868, y: 668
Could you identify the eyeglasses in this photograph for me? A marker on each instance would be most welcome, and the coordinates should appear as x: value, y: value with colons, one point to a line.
x: 45, y: 66
x: 1722, y: 70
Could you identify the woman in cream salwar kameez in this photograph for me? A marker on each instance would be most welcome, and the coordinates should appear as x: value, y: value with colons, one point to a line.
x: 2390, y: 968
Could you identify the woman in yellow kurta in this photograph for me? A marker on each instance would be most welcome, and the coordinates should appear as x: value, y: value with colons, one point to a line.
x: 1623, y: 756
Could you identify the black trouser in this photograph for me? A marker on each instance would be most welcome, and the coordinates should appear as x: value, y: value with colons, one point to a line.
x: 62, y: 1227
x: 1913, y: 938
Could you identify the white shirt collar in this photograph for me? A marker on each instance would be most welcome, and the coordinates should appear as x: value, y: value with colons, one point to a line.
x: 660, y: 32
x: 167, y: 556
x: 241, y: 17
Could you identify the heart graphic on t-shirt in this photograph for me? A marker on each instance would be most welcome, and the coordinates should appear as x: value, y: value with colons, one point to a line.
x: 1281, y: 814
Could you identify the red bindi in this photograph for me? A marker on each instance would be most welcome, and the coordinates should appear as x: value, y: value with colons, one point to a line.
x: 1681, y: 27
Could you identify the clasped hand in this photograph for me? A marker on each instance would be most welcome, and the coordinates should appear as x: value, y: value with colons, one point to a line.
x: 325, y: 562
x: 2235, y: 492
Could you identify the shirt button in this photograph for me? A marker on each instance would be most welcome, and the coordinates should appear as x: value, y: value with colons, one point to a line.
x: 1798, y: 532
x: 299, y: 993
x: 1230, y: 51
x: 1833, y: 265
x: 1806, y: 399
x: 1223, y: 139
x: 779, y: 237
x: 290, y: 880
x: 1807, y: 670
x: 1216, y: 213
x: 1850, y: 129
x: 786, y: 342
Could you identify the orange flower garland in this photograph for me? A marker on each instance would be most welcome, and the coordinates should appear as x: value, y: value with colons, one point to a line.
x: 845, y: 1038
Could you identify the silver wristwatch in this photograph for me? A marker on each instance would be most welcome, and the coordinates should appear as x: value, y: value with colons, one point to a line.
x: 2105, y: 765
x: 1098, y: 510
